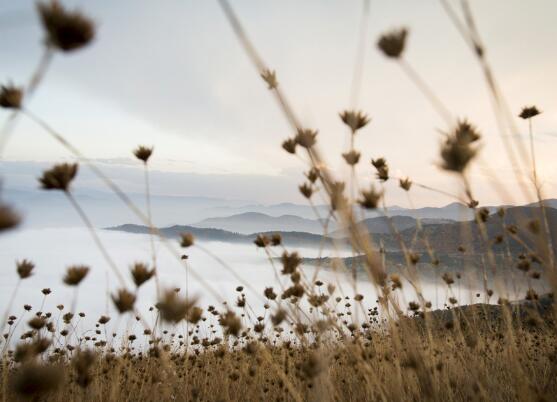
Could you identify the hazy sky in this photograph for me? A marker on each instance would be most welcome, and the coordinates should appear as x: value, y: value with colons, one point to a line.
x: 171, y: 74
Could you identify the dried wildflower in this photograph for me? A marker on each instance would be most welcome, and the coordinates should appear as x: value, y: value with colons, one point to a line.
x: 37, y: 323
x: 354, y: 119
x: 396, y: 282
x: 124, y: 300
x: 141, y: 273
x: 59, y: 177
x: 174, y: 308
x: 278, y: 317
x: 382, y: 168
x: 46, y: 291
x: 528, y: 112
x: 290, y: 262
x: 75, y: 274
x: 270, y: 294
x: 413, y: 306
x: 24, y: 268
x: 231, y: 323
x: 66, y: 30
x: 11, y: 96
x: 306, y: 138
x: 392, y: 43
x: 270, y: 77
x: 351, y: 157
x: 289, y: 145
x: 276, y: 239
x: 186, y: 240
x: 453, y: 300
x: 103, y: 319
x: 370, y: 198
x: 448, y: 278
x: 458, y: 148
x: 405, y: 183
x: 261, y: 241
x: 306, y: 189
x: 143, y: 153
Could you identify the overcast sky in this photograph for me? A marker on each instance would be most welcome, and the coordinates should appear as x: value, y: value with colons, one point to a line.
x: 171, y: 74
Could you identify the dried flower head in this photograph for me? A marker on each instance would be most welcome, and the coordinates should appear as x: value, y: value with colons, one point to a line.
x: 82, y: 362
x: 380, y: 164
x: 405, y: 183
x: 11, y: 96
x: 351, y: 157
x: 231, y: 323
x: 306, y: 189
x: 458, y: 149
x: 528, y: 112
x: 66, y: 30
x: 370, y: 198
x: 35, y: 380
x: 8, y: 218
x: 75, y: 274
x: 354, y: 119
x: 143, y: 153
x: 289, y: 145
x: 306, y: 138
x: 261, y: 240
x: 186, y: 240
x: 290, y: 262
x: 24, y: 268
x: 313, y: 174
x: 392, y: 43
x: 270, y: 77
x: 174, y: 308
x: 59, y: 176
x: 124, y: 300
x: 141, y: 273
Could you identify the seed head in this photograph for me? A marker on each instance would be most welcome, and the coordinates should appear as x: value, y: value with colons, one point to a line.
x: 290, y: 262
x: 270, y: 77
x: 141, y: 273
x: 66, y: 30
x: 24, y: 268
x: 370, y: 198
x: 354, y: 119
x: 351, y: 157
x: 380, y: 164
x: 459, y: 148
x: 59, y: 176
x: 276, y: 239
x: 174, y: 308
x: 11, y: 96
x: 75, y: 274
x: 306, y: 138
x: 186, y: 240
x: 143, y: 153
x: 528, y: 112
x: 124, y: 300
x: 231, y: 323
x: 306, y: 189
x: 392, y: 43
x: 261, y: 241
x: 289, y: 145
x: 8, y: 218
x: 312, y: 175
x: 405, y: 183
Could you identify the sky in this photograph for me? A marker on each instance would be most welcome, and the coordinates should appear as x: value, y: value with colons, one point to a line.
x: 171, y: 74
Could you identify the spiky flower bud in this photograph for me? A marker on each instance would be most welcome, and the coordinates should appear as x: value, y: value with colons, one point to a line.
x: 75, y: 274
x: 306, y: 189
x: 306, y: 138
x: 270, y: 77
x: 289, y: 145
x: 370, y: 198
x: 354, y: 119
x: 174, y: 308
x: 143, y: 153
x: 382, y: 168
x: 392, y: 43
x: 528, y: 112
x: 11, y: 96
x: 25, y: 268
x: 59, y: 176
x: 8, y: 218
x: 459, y: 148
x: 141, y: 273
x: 66, y: 30
x: 186, y: 240
x: 124, y: 300
x: 351, y: 157
x: 405, y: 183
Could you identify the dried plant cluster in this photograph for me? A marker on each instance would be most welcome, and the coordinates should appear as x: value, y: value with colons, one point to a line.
x: 312, y: 341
